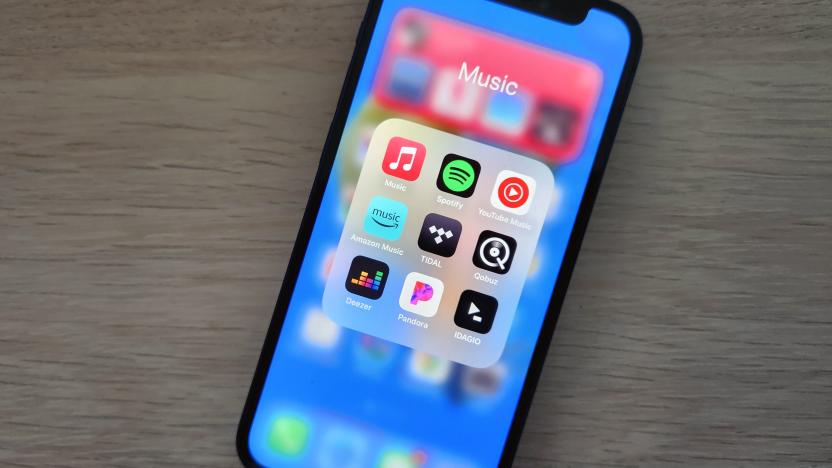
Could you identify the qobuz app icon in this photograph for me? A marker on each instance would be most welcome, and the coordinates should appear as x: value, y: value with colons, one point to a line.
x: 367, y: 277
x: 440, y: 235
x: 385, y: 218
x: 494, y: 252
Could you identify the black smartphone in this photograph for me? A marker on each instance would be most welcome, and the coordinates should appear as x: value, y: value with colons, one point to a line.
x: 453, y: 192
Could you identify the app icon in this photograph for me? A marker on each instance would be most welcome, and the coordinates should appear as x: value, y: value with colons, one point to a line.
x: 440, y: 235
x: 430, y: 369
x: 343, y: 447
x: 319, y: 330
x: 403, y: 158
x: 475, y: 311
x: 483, y: 382
x: 367, y: 277
x: 373, y: 355
x: 458, y: 175
x: 455, y: 98
x: 513, y: 192
x: 494, y: 252
x: 385, y: 218
x: 507, y: 113
x: 553, y: 124
x: 409, y: 79
x: 421, y: 294
x: 400, y: 458
x: 288, y: 435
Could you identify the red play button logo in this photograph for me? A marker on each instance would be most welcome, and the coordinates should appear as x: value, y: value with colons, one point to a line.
x: 513, y: 192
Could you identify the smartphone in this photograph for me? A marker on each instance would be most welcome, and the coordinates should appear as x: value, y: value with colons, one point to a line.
x: 453, y: 193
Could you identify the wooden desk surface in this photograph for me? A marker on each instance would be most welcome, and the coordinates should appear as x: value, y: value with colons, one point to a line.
x: 155, y: 157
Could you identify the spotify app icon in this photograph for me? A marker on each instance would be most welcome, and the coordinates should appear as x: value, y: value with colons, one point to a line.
x: 458, y: 175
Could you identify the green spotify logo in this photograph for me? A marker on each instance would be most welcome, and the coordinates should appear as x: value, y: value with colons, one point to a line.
x: 458, y: 175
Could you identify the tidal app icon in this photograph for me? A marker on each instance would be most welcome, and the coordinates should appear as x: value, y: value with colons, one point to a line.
x: 440, y: 235
x: 385, y: 218
x: 458, y: 175
x: 421, y: 294
x: 367, y: 277
x: 475, y: 311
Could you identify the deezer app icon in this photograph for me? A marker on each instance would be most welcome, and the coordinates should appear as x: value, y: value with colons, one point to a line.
x: 367, y: 277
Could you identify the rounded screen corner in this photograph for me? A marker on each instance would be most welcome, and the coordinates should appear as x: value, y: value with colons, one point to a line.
x: 242, y: 446
x: 629, y: 20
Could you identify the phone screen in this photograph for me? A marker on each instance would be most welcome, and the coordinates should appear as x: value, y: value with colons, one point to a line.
x: 458, y: 177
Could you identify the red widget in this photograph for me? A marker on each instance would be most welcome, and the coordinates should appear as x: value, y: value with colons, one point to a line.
x: 487, y: 86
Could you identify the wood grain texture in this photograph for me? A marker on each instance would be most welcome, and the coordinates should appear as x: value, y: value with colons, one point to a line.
x: 155, y: 158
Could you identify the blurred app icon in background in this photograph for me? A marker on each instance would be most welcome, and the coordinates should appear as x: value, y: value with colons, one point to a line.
x: 553, y: 124
x: 373, y: 355
x: 409, y: 79
x: 343, y: 447
x: 454, y: 98
x: 507, y: 113
x: 319, y: 330
x: 483, y: 382
x: 429, y: 369
x: 395, y: 457
x: 289, y: 435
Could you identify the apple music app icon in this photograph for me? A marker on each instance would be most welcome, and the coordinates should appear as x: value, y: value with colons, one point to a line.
x: 404, y: 158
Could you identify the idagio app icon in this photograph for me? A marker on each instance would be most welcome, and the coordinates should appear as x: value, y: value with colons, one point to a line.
x: 475, y: 311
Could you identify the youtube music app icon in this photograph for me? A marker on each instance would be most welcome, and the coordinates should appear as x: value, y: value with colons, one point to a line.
x: 513, y: 192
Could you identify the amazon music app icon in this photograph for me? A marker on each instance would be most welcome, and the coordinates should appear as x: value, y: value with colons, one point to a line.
x: 403, y: 158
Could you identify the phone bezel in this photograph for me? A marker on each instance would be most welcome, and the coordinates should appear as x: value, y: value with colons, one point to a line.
x: 560, y: 11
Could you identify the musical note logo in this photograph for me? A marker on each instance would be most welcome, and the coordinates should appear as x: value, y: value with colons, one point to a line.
x: 404, y: 152
x: 404, y: 158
